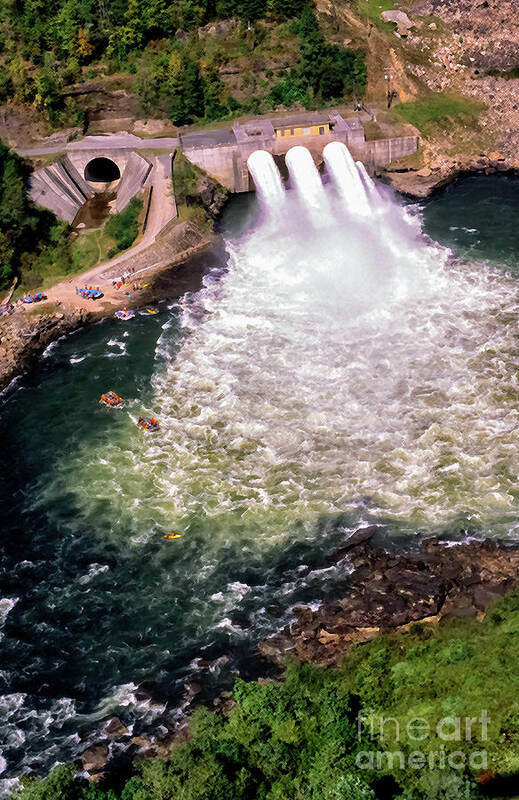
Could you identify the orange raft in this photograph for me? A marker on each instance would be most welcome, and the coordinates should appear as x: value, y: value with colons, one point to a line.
x: 148, y: 423
x: 111, y: 399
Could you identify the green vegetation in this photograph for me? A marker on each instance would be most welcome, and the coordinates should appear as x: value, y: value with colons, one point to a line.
x: 187, y: 183
x: 32, y: 242
x: 301, y: 740
x: 185, y: 180
x: 124, y: 227
x: 438, y: 109
x: 171, y: 64
x: 325, y: 71
x: 371, y: 11
x: 507, y: 74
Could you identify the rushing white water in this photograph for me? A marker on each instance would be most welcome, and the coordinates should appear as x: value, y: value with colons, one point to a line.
x: 368, y: 182
x: 305, y: 177
x: 266, y: 176
x: 346, y: 177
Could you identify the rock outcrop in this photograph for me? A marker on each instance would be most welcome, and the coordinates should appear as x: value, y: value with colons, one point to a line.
x: 400, y: 19
x: 439, y: 172
x: 23, y: 337
x: 389, y: 591
x: 212, y: 195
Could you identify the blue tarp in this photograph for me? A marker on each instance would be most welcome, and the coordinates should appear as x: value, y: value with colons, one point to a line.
x: 33, y: 298
x: 95, y: 294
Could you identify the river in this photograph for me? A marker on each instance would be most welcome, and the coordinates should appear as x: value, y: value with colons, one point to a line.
x: 338, y: 369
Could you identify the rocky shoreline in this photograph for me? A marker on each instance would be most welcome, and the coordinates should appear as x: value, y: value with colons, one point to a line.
x: 389, y: 590
x: 23, y: 339
x: 24, y: 335
x: 421, y: 183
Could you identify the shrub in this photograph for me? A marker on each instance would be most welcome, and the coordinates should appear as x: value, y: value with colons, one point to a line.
x: 124, y: 227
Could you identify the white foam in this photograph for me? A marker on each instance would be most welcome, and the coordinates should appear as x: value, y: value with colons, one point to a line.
x: 93, y: 571
x: 6, y: 606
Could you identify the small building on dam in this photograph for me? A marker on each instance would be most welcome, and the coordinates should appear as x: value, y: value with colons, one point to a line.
x: 128, y: 163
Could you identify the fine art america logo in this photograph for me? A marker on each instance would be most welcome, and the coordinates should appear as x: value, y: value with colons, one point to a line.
x: 408, y: 742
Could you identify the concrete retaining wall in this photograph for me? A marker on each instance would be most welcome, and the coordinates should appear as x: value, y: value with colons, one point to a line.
x: 218, y: 161
x: 381, y: 152
x: 132, y: 180
x: 60, y: 189
x: 44, y: 192
x: 228, y: 163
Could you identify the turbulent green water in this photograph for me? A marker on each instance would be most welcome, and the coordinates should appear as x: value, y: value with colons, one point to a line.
x: 289, y: 414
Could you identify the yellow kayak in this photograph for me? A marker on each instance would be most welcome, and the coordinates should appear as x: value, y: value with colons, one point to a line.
x: 173, y: 535
x: 152, y: 311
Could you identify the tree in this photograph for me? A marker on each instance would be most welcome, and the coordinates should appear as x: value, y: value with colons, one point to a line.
x: 286, y: 9
x: 213, y: 87
x: 346, y: 787
x: 192, y: 92
x: 13, y: 197
x: 331, y: 82
x: 251, y: 10
x: 84, y: 45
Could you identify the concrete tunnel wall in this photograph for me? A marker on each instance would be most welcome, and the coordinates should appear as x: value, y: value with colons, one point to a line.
x: 81, y: 158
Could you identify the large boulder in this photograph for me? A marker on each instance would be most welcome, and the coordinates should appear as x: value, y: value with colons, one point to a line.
x: 212, y: 194
x: 95, y: 758
x: 400, y: 18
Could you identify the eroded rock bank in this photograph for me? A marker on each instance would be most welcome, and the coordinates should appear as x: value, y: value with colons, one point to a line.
x: 23, y: 338
x: 391, y: 590
x: 423, y: 182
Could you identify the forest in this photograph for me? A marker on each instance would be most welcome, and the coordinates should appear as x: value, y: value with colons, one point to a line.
x: 46, y: 47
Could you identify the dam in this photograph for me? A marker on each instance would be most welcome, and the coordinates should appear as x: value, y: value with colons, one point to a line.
x: 225, y: 157
x: 126, y: 162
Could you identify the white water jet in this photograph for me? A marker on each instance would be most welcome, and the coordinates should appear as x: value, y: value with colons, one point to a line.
x: 346, y: 177
x: 305, y: 177
x: 368, y: 182
x: 267, y: 179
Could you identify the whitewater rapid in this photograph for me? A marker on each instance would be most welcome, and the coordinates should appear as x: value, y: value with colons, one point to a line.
x: 342, y: 361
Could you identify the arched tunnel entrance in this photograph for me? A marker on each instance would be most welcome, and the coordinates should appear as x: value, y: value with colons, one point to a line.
x: 102, y: 170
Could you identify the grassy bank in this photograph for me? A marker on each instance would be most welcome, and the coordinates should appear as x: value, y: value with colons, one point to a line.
x: 301, y: 738
x: 73, y: 254
x: 438, y: 110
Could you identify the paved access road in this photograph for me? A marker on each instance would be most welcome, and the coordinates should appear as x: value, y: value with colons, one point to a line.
x: 112, y: 141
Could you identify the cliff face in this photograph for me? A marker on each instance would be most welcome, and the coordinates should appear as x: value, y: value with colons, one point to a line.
x: 490, y: 31
x: 476, y: 38
x: 23, y: 339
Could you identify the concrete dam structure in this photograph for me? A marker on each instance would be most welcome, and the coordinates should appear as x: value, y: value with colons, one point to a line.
x: 126, y: 163
x: 225, y: 157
